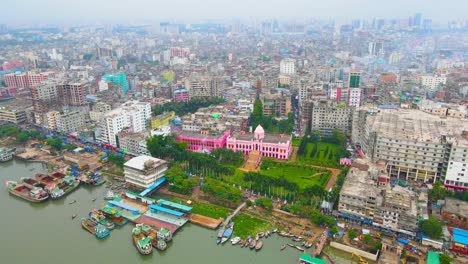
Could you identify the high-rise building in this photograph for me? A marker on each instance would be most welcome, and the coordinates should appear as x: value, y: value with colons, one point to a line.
x: 354, y: 97
x: 45, y: 96
x: 354, y: 79
x: 74, y: 93
x: 417, y: 19
x: 132, y: 115
x: 288, y: 66
x: 26, y: 79
x: 118, y: 79
x: 143, y: 171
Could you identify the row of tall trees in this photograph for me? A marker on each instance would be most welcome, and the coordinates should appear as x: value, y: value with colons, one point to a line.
x: 269, y: 123
x: 182, y: 108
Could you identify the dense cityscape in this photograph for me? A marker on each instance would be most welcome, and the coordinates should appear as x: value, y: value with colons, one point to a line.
x: 305, y: 141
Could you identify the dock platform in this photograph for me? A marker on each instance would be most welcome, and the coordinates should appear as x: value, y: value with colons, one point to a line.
x: 156, y: 223
x: 205, y: 221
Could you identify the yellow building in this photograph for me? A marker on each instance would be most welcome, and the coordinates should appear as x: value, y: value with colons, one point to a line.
x: 52, y: 119
x: 162, y: 120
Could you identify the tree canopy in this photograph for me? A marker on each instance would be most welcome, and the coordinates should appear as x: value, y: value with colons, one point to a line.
x: 432, y: 227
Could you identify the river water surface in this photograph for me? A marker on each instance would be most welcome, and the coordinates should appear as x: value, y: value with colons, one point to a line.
x: 45, y: 233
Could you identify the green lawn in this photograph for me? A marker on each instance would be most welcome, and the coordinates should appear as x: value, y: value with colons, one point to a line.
x: 245, y: 225
x: 303, y: 176
x: 320, y: 153
x: 296, y: 142
x: 210, y: 210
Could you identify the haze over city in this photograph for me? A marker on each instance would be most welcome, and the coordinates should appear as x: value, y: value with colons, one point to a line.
x: 21, y: 11
x: 234, y: 132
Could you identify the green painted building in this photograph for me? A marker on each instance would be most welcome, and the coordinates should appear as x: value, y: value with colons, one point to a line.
x: 119, y: 79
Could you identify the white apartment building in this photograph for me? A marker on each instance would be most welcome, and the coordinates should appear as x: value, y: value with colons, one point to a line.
x: 456, y: 176
x: 354, y: 97
x: 143, y: 171
x: 70, y: 122
x: 133, y: 115
x: 288, y: 66
x: 433, y: 82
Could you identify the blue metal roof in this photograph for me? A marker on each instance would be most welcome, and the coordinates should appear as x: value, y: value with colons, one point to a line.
x: 175, y: 205
x: 124, y: 206
x: 460, y: 236
x: 165, y: 210
x: 153, y: 186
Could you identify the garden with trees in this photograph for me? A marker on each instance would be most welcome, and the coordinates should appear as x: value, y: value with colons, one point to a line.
x: 183, y: 108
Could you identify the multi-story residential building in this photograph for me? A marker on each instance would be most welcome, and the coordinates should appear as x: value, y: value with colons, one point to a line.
x: 133, y: 115
x: 15, y: 116
x: 117, y: 79
x: 99, y: 110
x: 74, y: 93
x: 354, y: 80
x: 325, y: 116
x: 199, y: 86
x: 203, y: 141
x: 433, y: 82
x: 456, y: 176
x: 26, y: 79
x: 70, y: 122
x: 45, y: 96
x: 133, y: 142
x: 217, y: 86
x: 143, y: 171
x: 51, y: 119
x: 216, y: 118
x: 364, y: 199
x: 455, y: 213
x: 276, y: 102
x: 415, y: 145
x: 181, y: 95
x: 354, y: 97
x: 277, y: 146
x: 443, y: 109
x: 288, y: 66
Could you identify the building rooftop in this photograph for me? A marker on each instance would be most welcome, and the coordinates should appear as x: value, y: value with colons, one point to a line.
x: 456, y: 207
x: 359, y: 183
x: 269, y: 138
x: 200, y: 135
x: 143, y: 162
x: 412, y: 124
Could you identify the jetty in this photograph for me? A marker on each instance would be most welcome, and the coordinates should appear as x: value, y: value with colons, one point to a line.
x: 321, y: 241
x: 228, y: 219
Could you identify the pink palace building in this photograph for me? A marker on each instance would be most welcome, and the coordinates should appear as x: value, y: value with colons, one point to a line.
x: 204, y: 141
x: 277, y: 146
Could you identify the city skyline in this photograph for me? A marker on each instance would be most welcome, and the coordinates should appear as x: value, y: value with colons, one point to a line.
x: 54, y: 11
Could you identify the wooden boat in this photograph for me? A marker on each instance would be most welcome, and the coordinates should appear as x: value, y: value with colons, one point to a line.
x: 261, y: 234
x: 291, y: 245
x: 267, y: 234
x: 253, y: 243
x: 72, y: 202
x: 27, y: 192
x: 114, y: 216
x: 259, y: 245
x: 297, y: 239
x: 283, y: 247
x: 31, y: 182
x: 235, y: 240
x: 299, y: 248
x: 257, y: 237
x: 73, y: 216
x: 274, y: 230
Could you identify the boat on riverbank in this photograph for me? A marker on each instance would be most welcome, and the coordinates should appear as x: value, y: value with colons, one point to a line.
x: 29, y: 193
x: 235, y: 240
x: 30, y: 181
x: 141, y: 241
x: 5, y: 155
x: 220, y: 235
x: 253, y: 244
x: 99, y: 218
x: 114, y: 216
x: 63, y: 187
x: 226, y: 235
x: 98, y: 230
x: 259, y: 245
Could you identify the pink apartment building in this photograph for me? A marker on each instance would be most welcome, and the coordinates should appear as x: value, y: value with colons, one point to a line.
x: 277, y: 146
x: 181, y: 95
x: 203, y: 142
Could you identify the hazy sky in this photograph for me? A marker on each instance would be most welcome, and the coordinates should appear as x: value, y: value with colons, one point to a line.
x: 18, y: 11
